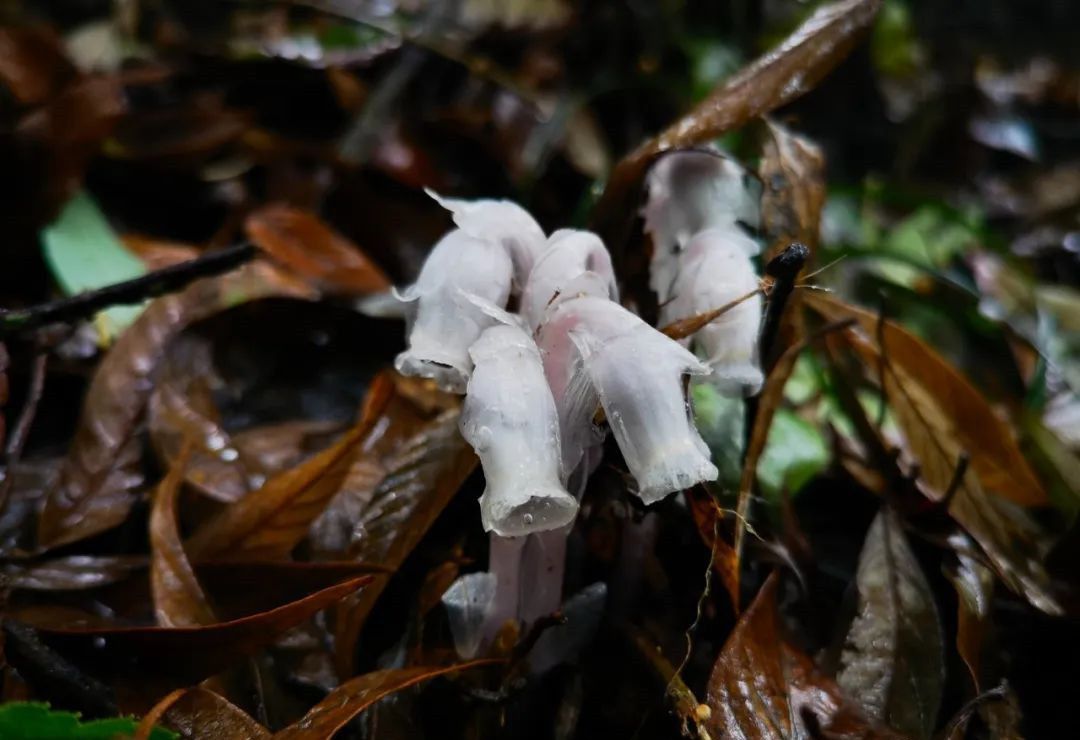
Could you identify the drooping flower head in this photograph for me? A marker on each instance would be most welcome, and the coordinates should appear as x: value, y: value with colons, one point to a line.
x: 688, y: 192
x: 569, y: 255
x: 509, y: 418
x: 714, y: 272
x: 503, y: 222
x: 597, y: 351
x: 444, y: 307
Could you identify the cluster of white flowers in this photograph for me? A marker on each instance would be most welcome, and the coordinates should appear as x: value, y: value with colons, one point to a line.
x: 534, y: 379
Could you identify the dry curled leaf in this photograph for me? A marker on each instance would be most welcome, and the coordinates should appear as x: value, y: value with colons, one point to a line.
x: 974, y: 584
x: 201, y: 714
x: 102, y: 475
x: 793, y: 173
x: 785, y: 73
x: 306, y: 245
x: 762, y: 687
x: 269, y: 522
x: 893, y: 660
x: 179, y: 600
x: 354, y: 696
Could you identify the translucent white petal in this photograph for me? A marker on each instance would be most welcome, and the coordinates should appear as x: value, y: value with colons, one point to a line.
x: 510, y: 420
x: 690, y: 191
x: 637, y: 374
x: 503, y: 222
x: 716, y: 271
x: 570, y: 254
x: 443, y: 308
x: 469, y: 603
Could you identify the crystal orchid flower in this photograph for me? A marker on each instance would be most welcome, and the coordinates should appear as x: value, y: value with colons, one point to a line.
x: 596, y: 350
x: 688, y: 192
x: 570, y: 254
x: 715, y: 271
x: 509, y: 418
x: 445, y: 307
x: 503, y: 222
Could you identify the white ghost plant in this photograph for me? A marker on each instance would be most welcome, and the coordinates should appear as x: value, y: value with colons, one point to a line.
x: 510, y: 420
x: 569, y: 255
x: 596, y: 349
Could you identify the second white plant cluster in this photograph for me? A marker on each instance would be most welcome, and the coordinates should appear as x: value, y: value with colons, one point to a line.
x: 534, y: 379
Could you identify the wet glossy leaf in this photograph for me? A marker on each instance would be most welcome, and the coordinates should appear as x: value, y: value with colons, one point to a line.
x: 179, y: 600
x: 101, y: 475
x: 354, y: 696
x: 763, y: 687
x: 72, y: 573
x: 421, y: 479
x: 893, y: 661
x: 793, y: 172
x: 181, y: 655
x: 269, y: 522
x: 201, y: 714
x: 785, y: 73
x: 938, y: 412
x: 309, y: 247
x: 956, y: 409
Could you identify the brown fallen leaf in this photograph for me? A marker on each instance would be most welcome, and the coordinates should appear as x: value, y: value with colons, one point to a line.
x: 33, y: 66
x: 793, y: 172
x: 762, y: 687
x: 422, y: 478
x: 312, y: 249
x: 893, y: 659
x: 181, y: 136
x: 269, y: 522
x: 200, y: 714
x: 788, y: 71
x: 957, y: 409
x: 101, y: 475
x: 177, y: 656
x: 974, y: 584
x: 179, y: 600
x: 351, y: 698
x: 943, y: 418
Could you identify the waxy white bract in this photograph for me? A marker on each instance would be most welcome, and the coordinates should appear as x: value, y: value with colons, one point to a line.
x: 509, y: 418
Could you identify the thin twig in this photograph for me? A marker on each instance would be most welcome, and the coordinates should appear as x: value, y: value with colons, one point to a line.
x: 136, y: 290
x: 686, y: 327
x: 17, y: 440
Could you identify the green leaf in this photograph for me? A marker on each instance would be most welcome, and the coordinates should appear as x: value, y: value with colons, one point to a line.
x: 35, y: 721
x: 84, y: 253
x: 794, y: 453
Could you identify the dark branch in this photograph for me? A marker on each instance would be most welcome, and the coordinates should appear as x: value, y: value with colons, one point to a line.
x: 136, y: 290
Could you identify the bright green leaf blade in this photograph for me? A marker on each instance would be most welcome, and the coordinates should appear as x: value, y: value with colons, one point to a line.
x: 794, y: 453
x: 84, y: 253
x: 34, y: 721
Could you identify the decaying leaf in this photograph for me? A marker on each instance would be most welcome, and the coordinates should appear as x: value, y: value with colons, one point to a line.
x: 32, y: 64
x: 267, y: 523
x: 184, y: 655
x: 310, y: 248
x: 785, y: 73
x: 974, y: 583
x: 179, y: 600
x: 944, y: 418
x: 793, y: 172
x: 423, y: 476
x: 200, y: 714
x: 893, y: 661
x: 354, y: 696
x: 959, y: 411
x: 762, y: 687
x: 102, y: 475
